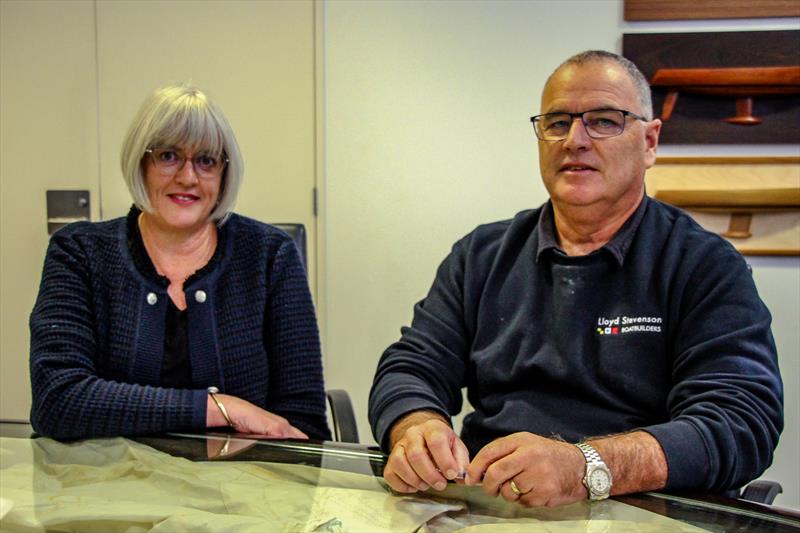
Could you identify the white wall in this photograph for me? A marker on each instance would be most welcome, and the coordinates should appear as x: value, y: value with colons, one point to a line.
x: 426, y: 134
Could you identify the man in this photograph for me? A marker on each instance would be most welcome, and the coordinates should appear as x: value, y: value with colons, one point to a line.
x: 603, y: 318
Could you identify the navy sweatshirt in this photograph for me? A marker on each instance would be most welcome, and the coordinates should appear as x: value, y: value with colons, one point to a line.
x: 661, y: 329
x: 97, y: 335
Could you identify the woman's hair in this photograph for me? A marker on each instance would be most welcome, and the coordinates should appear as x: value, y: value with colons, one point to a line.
x: 182, y: 116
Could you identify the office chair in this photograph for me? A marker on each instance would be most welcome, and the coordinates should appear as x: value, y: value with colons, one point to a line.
x: 298, y: 234
x: 761, y: 491
x: 342, y: 416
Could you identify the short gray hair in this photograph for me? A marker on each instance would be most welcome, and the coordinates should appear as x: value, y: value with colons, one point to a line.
x: 181, y: 115
x: 636, y: 76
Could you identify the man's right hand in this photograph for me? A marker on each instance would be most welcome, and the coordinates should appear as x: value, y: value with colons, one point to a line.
x: 426, y: 452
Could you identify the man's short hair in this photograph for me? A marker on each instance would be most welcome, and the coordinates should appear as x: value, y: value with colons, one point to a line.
x: 181, y: 115
x: 636, y: 76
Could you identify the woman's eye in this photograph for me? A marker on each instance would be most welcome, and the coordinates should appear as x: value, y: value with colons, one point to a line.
x: 206, y: 161
x: 167, y: 156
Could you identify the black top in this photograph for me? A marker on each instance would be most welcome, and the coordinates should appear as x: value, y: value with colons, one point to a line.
x: 176, y: 367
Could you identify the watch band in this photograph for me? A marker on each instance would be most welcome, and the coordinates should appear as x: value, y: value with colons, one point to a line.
x: 594, y: 466
x: 589, y: 453
x: 213, y: 391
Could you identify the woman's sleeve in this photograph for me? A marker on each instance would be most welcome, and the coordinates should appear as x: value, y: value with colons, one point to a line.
x: 296, y: 387
x: 70, y: 400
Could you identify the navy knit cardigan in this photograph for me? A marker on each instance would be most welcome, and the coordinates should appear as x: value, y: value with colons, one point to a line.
x: 97, y: 335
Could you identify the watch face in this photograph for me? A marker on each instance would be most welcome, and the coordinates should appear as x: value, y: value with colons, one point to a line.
x: 599, y: 481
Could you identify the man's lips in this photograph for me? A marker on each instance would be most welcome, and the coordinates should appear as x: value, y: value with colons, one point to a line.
x: 576, y: 167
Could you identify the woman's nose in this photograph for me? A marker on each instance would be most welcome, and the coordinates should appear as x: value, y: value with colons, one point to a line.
x: 187, y: 173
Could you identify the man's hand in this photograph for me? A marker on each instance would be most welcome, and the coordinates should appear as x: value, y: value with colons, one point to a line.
x: 250, y: 419
x: 550, y: 472
x: 426, y: 452
x: 545, y: 472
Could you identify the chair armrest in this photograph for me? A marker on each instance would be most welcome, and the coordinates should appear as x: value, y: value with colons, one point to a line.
x: 344, y: 419
x: 762, y: 491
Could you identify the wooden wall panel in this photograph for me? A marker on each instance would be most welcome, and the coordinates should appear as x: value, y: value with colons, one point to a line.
x: 709, y: 9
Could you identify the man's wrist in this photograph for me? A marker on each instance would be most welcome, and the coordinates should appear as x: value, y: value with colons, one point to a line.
x: 409, y: 420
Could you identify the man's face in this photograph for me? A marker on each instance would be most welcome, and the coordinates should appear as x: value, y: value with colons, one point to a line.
x: 606, y: 174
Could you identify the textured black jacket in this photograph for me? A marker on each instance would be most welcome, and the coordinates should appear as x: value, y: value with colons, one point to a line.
x: 97, y: 335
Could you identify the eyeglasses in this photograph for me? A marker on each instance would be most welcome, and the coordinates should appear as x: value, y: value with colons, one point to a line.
x: 599, y: 123
x: 169, y: 161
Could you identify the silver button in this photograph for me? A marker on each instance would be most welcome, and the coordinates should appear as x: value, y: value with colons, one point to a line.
x: 152, y: 298
x: 200, y: 296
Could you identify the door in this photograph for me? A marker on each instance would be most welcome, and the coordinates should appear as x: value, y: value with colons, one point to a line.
x: 48, y: 140
x: 74, y: 73
x: 256, y: 59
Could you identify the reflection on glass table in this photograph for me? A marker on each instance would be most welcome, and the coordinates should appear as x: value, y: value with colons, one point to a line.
x: 220, y: 481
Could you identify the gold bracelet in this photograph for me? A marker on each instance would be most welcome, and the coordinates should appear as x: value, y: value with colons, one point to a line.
x: 213, y: 391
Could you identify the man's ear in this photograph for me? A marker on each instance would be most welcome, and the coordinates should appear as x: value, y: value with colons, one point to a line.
x: 653, y: 129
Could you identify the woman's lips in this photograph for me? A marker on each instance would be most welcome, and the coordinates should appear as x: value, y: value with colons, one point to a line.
x: 183, y: 199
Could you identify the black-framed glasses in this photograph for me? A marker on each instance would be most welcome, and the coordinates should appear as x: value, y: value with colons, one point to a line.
x: 599, y: 123
x: 169, y: 160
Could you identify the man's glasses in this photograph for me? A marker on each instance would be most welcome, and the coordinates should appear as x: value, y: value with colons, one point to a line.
x: 169, y: 161
x: 599, y: 124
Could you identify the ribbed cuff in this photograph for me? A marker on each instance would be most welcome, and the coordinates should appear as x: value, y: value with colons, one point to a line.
x: 199, y: 409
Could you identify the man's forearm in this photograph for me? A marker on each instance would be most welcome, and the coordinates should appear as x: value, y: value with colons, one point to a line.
x: 411, y: 419
x: 636, y: 461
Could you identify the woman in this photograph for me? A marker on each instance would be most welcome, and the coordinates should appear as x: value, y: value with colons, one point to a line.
x: 182, y: 315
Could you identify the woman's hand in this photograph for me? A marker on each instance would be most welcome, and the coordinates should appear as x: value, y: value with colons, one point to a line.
x: 250, y: 419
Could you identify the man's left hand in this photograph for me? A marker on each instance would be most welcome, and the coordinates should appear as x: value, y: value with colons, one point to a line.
x: 531, y: 470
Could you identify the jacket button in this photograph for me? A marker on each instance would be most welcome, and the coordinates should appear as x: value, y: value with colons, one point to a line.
x: 152, y: 298
x: 200, y: 296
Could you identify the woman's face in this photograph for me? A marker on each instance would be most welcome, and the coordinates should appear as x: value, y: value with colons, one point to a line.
x: 183, y: 187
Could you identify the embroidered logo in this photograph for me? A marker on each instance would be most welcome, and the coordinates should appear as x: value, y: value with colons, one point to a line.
x: 620, y: 325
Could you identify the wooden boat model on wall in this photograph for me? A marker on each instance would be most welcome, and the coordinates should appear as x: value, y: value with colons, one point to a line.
x: 742, y: 83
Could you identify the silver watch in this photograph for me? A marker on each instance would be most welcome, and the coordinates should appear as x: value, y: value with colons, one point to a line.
x: 598, y: 477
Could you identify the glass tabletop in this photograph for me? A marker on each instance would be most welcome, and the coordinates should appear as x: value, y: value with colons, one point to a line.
x: 712, y: 513
x: 180, y: 481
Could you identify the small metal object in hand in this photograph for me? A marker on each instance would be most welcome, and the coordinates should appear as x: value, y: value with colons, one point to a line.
x: 515, y: 489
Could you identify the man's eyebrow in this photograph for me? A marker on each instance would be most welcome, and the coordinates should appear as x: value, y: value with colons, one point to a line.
x: 596, y: 108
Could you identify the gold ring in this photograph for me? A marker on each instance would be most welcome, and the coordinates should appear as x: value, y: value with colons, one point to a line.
x: 515, y: 489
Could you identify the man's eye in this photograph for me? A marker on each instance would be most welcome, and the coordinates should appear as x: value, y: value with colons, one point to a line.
x: 604, y: 123
x: 557, y: 125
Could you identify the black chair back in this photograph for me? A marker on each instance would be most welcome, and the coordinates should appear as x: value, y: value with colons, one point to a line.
x: 298, y: 234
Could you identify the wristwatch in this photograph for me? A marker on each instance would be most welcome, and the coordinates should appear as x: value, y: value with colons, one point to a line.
x: 598, y: 477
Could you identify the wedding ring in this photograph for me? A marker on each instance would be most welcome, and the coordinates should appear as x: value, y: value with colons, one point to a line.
x: 515, y: 489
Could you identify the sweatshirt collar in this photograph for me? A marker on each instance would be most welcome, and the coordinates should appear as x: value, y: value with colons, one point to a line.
x: 618, y: 246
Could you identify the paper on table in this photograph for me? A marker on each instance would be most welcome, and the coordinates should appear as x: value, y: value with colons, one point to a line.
x: 5, y: 506
x: 120, y: 485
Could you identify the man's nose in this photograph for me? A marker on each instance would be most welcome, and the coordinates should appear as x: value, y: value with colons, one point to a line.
x: 577, y: 136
